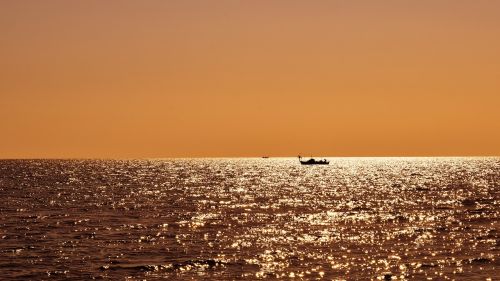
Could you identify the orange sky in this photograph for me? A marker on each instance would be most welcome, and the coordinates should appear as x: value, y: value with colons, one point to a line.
x: 249, y: 78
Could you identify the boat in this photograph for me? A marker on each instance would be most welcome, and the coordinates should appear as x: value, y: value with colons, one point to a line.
x: 313, y: 161
x: 265, y: 157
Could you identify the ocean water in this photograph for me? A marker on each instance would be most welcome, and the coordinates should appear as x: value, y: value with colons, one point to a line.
x: 248, y: 219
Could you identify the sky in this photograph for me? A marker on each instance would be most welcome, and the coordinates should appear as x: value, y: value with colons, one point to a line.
x: 225, y: 78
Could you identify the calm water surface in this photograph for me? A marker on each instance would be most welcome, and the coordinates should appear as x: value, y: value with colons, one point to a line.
x: 247, y: 219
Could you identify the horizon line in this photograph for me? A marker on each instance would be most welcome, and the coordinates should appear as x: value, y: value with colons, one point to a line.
x: 242, y: 157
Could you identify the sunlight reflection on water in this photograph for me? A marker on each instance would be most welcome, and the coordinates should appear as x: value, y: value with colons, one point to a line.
x: 357, y: 218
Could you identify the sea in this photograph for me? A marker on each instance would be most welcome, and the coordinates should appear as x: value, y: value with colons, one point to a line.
x: 250, y: 219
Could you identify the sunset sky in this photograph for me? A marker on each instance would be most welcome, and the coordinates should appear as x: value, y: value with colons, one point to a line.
x: 249, y: 78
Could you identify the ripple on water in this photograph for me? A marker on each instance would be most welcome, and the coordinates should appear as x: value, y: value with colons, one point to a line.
x: 225, y: 219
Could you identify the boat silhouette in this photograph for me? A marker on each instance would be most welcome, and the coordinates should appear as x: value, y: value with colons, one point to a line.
x: 313, y: 161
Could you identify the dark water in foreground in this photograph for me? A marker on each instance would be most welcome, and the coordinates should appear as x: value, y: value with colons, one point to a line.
x: 356, y: 219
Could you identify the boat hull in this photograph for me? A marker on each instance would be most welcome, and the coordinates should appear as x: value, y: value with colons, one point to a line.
x: 317, y: 163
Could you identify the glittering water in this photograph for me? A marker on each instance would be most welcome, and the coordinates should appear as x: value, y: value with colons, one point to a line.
x: 358, y: 218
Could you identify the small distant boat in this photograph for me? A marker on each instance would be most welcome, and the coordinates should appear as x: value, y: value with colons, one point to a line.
x: 313, y: 161
x: 265, y: 157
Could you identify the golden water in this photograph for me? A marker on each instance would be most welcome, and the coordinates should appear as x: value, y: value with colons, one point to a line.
x: 225, y: 219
